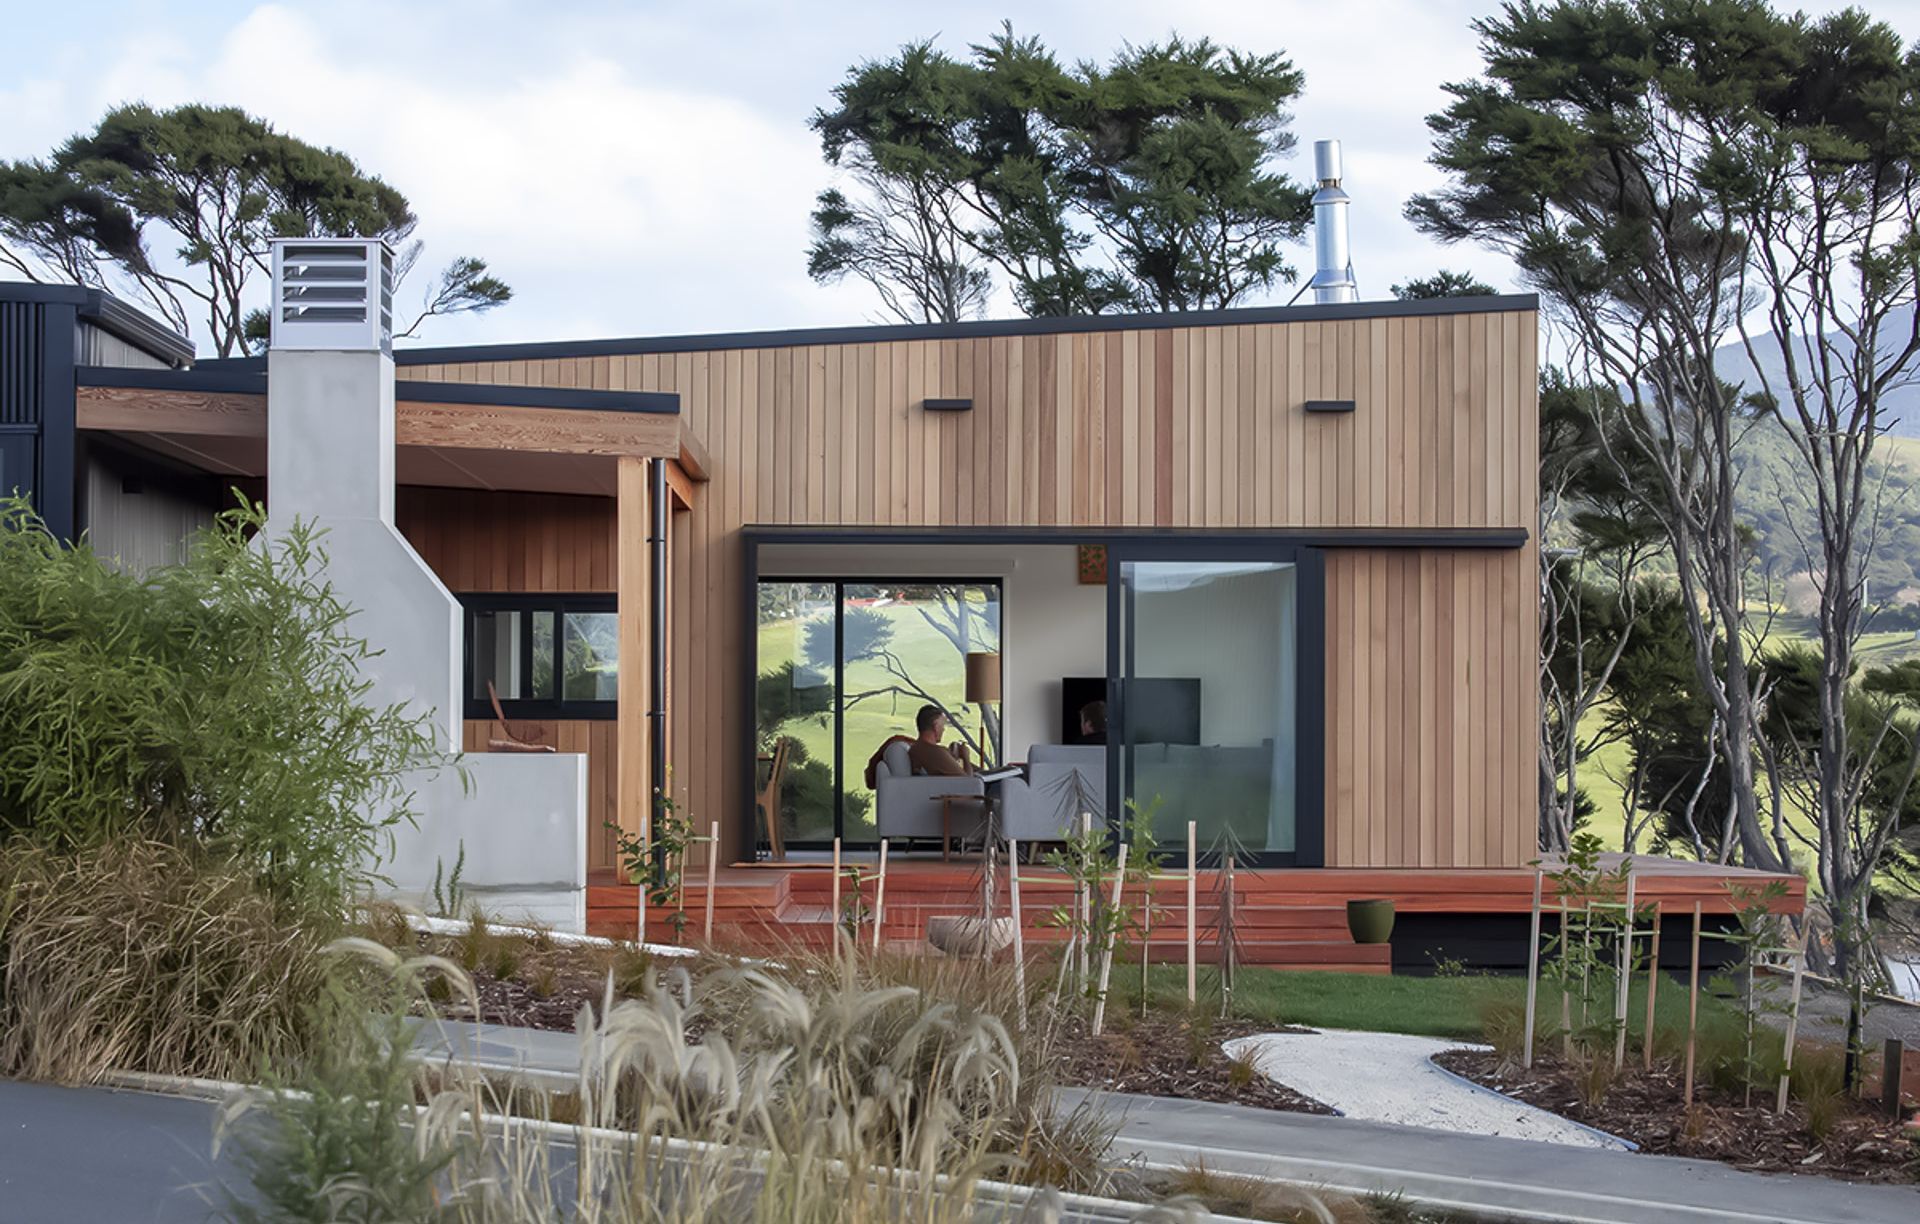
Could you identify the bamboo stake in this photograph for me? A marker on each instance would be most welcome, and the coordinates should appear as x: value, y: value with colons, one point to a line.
x: 1693, y: 1000
x: 1586, y: 958
x: 1623, y: 977
x: 1146, y: 942
x: 833, y: 915
x: 880, y: 896
x: 1793, y: 1023
x: 1193, y: 872
x: 1082, y: 900
x: 1653, y: 987
x: 1533, y: 969
x: 1019, y: 937
x: 713, y: 873
x: 1106, y: 951
x: 1566, y: 1001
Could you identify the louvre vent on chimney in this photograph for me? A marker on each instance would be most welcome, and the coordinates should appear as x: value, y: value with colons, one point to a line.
x: 332, y: 293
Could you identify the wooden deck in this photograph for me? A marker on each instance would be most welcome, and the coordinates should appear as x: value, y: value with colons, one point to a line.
x: 1284, y: 917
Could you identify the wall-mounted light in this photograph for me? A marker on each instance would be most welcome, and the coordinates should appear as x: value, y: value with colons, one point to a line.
x: 1329, y: 405
x: 946, y: 405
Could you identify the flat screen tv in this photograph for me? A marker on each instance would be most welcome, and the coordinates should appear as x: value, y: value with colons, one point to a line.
x: 1160, y: 709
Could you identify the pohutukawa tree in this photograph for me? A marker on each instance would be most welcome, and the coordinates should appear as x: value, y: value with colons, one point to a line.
x: 1672, y: 175
x: 215, y: 184
x: 1145, y: 183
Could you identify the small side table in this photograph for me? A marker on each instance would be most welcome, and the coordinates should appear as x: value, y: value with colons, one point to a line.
x: 946, y: 821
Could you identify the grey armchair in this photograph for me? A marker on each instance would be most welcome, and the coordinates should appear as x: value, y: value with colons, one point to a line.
x: 907, y: 806
x: 1061, y: 782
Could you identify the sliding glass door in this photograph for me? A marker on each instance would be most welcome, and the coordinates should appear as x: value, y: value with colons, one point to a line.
x: 845, y: 663
x: 1212, y: 654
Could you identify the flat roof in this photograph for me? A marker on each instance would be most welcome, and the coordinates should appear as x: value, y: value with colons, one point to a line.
x: 874, y: 333
x: 109, y: 314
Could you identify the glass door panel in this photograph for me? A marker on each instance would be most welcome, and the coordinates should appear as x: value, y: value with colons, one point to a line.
x: 1209, y: 673
x: 905, y: 645
x: 795, y: 701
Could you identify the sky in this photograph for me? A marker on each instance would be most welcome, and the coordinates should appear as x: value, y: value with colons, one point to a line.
x: 646, y: 169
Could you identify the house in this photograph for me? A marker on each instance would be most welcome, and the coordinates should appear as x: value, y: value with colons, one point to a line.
x: 1292, y: 549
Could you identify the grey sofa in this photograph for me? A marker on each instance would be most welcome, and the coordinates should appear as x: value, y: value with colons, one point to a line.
x: 907, y: 805
x: 1061, y: 782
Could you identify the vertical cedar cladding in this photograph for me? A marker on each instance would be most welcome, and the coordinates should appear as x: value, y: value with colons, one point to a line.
x: 1194, y: 427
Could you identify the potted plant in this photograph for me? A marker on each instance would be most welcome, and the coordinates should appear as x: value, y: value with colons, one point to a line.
x: 1370, y: 920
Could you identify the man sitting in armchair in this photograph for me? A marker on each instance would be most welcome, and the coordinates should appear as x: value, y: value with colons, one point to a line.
x: 928, y: 754
x: 919, y: 786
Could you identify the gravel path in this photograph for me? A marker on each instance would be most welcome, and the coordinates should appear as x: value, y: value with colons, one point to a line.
x: 1390, y: 1077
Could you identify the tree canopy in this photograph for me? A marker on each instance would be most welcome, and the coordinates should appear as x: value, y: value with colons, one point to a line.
x: 1145, y: 183
x: 215, y: 184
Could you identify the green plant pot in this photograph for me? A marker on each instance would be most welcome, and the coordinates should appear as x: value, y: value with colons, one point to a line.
x: 1370, y: 921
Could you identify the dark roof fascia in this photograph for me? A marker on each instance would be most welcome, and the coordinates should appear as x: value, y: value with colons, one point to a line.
x: 1495, y: 538
x: 110, y: 314
x: 221, y: 380
x: 965, y: 331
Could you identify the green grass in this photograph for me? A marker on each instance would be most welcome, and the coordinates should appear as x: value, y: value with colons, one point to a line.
x: 1452, y: 1006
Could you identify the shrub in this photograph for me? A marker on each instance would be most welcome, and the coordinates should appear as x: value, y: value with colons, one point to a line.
x: 216, y: 703
x: 143, y: 956
x: 813, y: 1093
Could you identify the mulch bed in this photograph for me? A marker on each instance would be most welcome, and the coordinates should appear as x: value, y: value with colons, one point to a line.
x: 1156, y: 1056
x: 1648, y: 1108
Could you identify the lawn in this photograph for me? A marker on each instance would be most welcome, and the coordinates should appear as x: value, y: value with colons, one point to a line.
x: 1454, y: 1006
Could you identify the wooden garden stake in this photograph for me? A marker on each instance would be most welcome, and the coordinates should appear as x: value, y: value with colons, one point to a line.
x: 1793, y: 1023
x: 833, y: 915
x: 1623, y: 977
x: 1893, y: 1056
x: 1106, y: 951
x: 1225, y: 938
x: 1533, y: 969
x: 880, y: 896
x: 1693, y: 1000
x: 1653, y: 985
x: 1019, y: 938
x: 1193, y: 872
x: 713, y: 872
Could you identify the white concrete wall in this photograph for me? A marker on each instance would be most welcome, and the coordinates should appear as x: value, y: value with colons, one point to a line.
x: 1052, y: 626
x: 521, y: 818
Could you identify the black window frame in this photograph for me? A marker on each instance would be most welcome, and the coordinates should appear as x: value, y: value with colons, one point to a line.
x: 561, y: 605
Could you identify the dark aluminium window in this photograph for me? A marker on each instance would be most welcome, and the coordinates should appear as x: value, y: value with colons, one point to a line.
x: 547, y: 656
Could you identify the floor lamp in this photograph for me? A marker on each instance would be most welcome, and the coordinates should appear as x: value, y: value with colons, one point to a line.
x: 983, y: 686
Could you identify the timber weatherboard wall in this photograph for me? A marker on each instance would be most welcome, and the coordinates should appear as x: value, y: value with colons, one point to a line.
x: 480, y: 542
x: 1111, y: 423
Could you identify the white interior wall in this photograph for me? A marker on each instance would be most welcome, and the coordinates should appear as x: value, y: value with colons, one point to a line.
x: 1224, y: 633
x: 1051, y: 624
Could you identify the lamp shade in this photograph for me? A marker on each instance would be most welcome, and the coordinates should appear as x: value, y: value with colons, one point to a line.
x: 983, y: 675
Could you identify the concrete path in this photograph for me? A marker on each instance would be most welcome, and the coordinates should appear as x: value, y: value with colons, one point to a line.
x: 1510, y: 1177
x: 1390, y: 1077
x: 553, y: 1059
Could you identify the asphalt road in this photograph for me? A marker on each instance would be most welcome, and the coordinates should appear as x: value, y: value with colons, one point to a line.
x: 93, y: 1154
x: 1481, y: 1173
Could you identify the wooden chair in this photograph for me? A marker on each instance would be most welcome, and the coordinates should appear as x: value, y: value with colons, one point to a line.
x: 508, y: 741
x: 767, y: 802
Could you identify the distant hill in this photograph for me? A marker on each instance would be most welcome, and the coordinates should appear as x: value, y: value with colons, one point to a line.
x: 1902, y: 408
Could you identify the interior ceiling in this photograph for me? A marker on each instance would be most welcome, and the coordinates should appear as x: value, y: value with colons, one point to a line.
x: 523, y: 471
